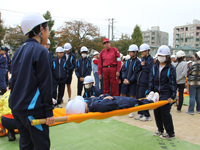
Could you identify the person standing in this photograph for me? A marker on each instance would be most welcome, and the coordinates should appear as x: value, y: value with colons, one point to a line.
x: 71, y: 64
x: 109, y: 65
x: 95, y: 68
x: 8, y: 64
x: 3, y: 71
x: 163, y: 80
x: 194, y: 84
x: 47, y: 47
x: 83, y: 68
x: 59, y: 71
x: 181, y: 74
x: 143, y: 80
x: 31, y: 84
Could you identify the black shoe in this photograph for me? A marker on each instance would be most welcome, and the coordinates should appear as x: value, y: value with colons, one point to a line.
x: 11, y: 135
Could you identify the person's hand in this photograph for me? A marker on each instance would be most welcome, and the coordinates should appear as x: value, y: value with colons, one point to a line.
x: 50, y: 120
x: 92, y: 96
x: 100, y: 76
x: 108, y: 97
x: 54, y: 101
x: 126, y: 81
x: 143, y: 63
x: 81, y: 79
x: 170, y: 100
x: 117, y: 74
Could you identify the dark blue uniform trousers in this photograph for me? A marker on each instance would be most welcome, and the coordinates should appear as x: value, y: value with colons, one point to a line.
x: 32, y: 137
x: 163, y: 117
x: 61, y: 89
x: 8, y: 123
x: 80, y: 87
x: 140, y: 93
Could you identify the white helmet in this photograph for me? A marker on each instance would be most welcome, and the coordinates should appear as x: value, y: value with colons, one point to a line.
x: 48, y: 42
x: 163, y: 50
x: 198, y: 54
x: 59, y: 49
x: 121, y: 55
x: 67, y: 46
x: 133, y: 48
x: 31, y: 20
x: 144, y: 47
x: 84, y: 49
x: 180, y: 54
x: 189, y: 62
x: 127, y: 57
x: 88, y: 79
x: 75, y: 106
x: 96, y: 53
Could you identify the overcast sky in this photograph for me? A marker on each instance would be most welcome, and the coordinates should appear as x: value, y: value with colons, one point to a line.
x: 127, y: 13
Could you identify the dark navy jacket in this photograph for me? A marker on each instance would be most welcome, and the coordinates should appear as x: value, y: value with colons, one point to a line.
x: 143, y: 75
x: 3, y: 61
x: 164, y: 83
x: 31, y: 81
x: 83, y: 67
x: 98, y: 104
x: 131, y: 69
x: 59, y: 70
x: 94, y: 91
x: 8, y: 61
x: 51, y: 55
x: 71, y: 62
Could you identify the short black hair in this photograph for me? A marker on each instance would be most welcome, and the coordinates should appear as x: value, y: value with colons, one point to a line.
x: 197, y: 56
x: 36, y: 30
x: 180, y: 59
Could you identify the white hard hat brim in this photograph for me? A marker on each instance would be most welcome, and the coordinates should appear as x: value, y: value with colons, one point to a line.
x: 75, y: 106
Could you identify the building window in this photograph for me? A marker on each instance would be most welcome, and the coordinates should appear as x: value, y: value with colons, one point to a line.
x: 198, y: 27
x: 191, y: 28
x: 186, y: 29
x: 177, y: 41
x: 197, y: 44
x: 153, y: 38
x: 197, y: 39
x: 153, y: 33
x: 177, y: 30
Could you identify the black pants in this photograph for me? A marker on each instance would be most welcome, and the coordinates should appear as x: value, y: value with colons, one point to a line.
x: 8, y: 123
x: 32, y: 137
x: 80, y: 87
x: 61, y: 89
x: 164, y: 118
x: 181, y: 90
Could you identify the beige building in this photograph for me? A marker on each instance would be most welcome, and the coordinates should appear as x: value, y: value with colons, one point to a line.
x: 187, y: 35
x: 155, y: 38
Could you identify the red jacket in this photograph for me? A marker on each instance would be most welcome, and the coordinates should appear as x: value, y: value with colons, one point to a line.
x: 109, y: 57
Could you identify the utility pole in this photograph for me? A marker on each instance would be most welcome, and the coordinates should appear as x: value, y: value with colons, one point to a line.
x: 112, y: 29
x: 109, y: 29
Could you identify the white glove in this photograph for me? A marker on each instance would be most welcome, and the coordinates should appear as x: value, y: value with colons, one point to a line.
x: 54, y: 101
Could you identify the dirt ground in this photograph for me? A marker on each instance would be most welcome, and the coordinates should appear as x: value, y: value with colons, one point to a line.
x: 186, y: 126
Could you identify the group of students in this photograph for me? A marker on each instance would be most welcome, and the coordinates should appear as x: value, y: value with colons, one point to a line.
x: 34, y: 74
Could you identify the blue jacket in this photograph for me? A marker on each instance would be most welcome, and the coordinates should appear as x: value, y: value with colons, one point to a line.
x: 164, y: 83
x: 51, y: 55
x: 31, y: 80
x: 94, y: 91
x: 3, y: 61
x: 98, y: 104
x: 71, y: 62
x: 83, y: 67
x: 143, y: 75
x: 131, y: 69
x: 59, y: 70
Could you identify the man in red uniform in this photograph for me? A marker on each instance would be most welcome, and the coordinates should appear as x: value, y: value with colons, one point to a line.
x: 109, y: 65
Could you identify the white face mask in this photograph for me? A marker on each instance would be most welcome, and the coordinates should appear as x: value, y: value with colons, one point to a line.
x: 87, y: 86
x: 161, y: 59
x: 84, y: 55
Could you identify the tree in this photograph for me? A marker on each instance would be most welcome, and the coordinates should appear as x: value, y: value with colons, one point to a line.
x: 123, y: 44
x: 137, y: 36
x: 2, y: 32
x: 14, y: 37
x: 47, y: 16
x: 78, y: 34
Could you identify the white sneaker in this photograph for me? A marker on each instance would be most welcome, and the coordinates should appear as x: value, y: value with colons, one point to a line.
x: 150, y: 96
x: 145, y: 118
x: 131, y: 115
x: 138, y: 117
x: 155, y: 97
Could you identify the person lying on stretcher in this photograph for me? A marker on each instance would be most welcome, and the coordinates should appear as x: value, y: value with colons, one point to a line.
x: 107, y: 103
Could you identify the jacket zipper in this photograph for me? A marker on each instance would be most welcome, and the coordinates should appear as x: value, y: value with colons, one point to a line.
x: 59, y: 68
x: 82, y: 67
x: 129, y: 69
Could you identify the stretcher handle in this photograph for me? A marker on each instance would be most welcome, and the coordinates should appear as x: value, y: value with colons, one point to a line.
x: 43, y: 121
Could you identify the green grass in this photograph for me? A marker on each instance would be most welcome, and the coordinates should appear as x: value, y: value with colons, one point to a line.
x: 105, y: 134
